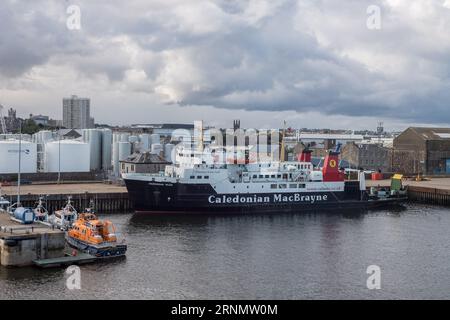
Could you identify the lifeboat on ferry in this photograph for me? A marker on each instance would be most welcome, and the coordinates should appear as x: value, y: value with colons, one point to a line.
x: 96, y: 237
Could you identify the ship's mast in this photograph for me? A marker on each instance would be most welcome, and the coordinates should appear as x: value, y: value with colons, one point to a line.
x: 282, y: 158
x: 20, y: 164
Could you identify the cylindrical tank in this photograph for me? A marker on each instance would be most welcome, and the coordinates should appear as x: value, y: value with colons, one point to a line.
x: 168, y: 150
x: 67, y: 156
x: 133, y: 139
x: 25, y: 215
x: 157, y: 148
x: 144, y: 141
x: 43, y: 136
x: 106, y: 149
x: 124, y: 150
x: 124, y: 137
x: 94, y: 138
x: 155, y: 138
x: 9, y: 156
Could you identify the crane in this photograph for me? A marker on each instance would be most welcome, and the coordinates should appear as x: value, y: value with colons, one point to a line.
x: 2, y: 121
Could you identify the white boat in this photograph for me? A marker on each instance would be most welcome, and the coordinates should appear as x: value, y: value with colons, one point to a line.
x: 64, y: 218
x: 41, y: 212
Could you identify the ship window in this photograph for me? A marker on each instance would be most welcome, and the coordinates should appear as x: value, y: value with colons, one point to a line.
x: 255, y: 176
x: 199, y: 177
x: 206, y: 177
x: 192, y: 177
x: 272, y: 176
x: 293, y: 186
x: 273, y: 186
x: 267, y: 176
x: 283, y: 186
x: 301, y: 185
x: 279, y: 176
x: 261, y: 176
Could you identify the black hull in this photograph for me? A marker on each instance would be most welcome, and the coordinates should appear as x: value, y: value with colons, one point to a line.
x: 118, y: 250
x: 165, y: 198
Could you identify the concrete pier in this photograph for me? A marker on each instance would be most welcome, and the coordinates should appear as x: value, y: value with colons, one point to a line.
x: 434, y: 191
x: 21, y: 244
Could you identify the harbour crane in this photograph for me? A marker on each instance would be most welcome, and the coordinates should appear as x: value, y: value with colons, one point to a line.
x: 2, y: 121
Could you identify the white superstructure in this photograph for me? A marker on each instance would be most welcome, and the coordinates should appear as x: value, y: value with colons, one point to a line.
x: 193, y: 167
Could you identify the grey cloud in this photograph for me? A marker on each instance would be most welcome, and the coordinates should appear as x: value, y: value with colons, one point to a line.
x: 256, y: 55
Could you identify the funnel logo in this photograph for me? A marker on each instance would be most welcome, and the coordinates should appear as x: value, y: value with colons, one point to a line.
x: 332, y: 163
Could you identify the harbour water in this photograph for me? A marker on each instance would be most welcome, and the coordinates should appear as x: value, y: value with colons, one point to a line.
x: 288, y: 256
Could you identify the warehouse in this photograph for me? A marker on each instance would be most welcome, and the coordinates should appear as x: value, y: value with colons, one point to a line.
x: 422, y: 150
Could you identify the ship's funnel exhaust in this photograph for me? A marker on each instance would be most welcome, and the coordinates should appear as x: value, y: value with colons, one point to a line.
x: 330, y: 168
x: 305, y: 156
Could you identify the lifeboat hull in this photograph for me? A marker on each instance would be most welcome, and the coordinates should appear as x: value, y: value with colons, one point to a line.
x: 100, y: 251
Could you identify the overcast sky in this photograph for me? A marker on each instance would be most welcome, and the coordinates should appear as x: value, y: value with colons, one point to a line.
x: 313, y: 63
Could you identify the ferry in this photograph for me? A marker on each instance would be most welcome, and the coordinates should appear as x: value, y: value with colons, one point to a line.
x: 198, y: 183
x: 96, y: 237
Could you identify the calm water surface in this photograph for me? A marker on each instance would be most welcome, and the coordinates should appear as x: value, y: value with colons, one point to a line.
x: 289, y: 256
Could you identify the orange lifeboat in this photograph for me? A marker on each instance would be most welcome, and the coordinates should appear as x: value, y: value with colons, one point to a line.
x: 94, y: 236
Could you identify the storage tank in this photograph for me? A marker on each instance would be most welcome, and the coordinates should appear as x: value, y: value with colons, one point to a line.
x: 106, y: 149
x: 67, y: 156
x: 144, y: 142
x: 124, y: 137
x: 155, y: 138
x: 133, y: 139
x: 157, y: 148
x: 168, y: 150
x: 124, y: 150
x: 94, y: 138
x: 24, y: 215
x: 115, y: 152
x: 9, y: 156
x: 43, y: 136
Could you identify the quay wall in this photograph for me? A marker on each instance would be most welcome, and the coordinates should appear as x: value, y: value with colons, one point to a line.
x: 18, y: 250
x: 117, y: 202
x: 429, y: 195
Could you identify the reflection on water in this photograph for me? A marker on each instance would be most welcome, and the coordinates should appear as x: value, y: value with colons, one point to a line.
x: 286, y: 256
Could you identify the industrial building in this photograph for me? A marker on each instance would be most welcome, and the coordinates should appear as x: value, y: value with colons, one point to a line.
x: 76, y: 113
x: 422, y: 150
x: 40, y: 119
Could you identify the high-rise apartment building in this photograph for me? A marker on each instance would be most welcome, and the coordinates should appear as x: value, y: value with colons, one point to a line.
x: 76, y: 113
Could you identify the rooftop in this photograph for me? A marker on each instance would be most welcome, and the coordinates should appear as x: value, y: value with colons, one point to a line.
x: 432, y: 133
x: 146, y: 158
x: 164, y: 126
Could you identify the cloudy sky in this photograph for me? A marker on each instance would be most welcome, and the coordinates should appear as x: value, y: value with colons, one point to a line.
x: 313, y: 63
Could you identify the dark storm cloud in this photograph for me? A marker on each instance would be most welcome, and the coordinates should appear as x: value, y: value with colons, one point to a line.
x: 257, y: 55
